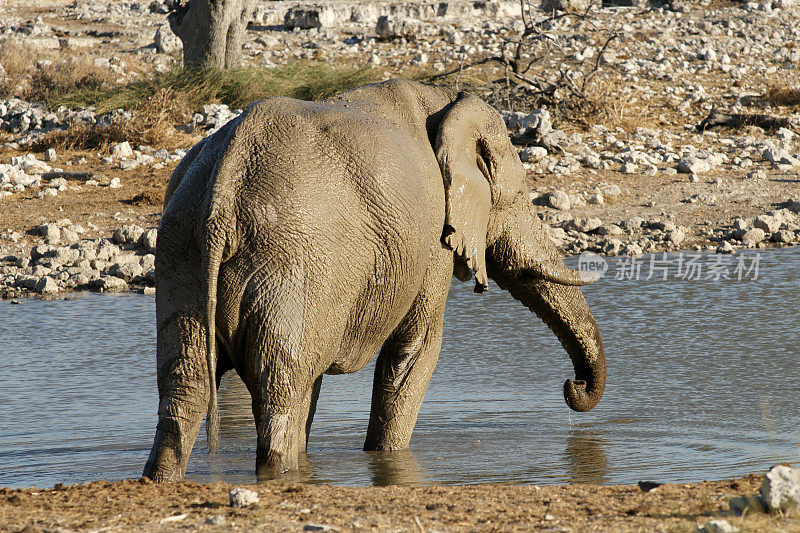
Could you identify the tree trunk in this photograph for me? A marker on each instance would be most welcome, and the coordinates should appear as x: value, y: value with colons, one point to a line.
x: 211, y: 31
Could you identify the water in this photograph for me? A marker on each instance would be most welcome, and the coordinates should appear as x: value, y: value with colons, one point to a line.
x: 703, y: 383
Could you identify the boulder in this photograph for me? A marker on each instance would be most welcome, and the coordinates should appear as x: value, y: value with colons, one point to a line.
x: 767, y: 223
x: 584, y: 225
x: 558, y: 200
x: 46, y: 285
x: 122, y: 149
x: 781, y: 488
x: 753, y: 237
x: 564, y: 5
x: 148, y: 240
x: 128, y: 234
x: 693, y: 165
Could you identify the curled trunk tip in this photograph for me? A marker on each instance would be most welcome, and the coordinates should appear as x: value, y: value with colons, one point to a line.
x: 580, y: 399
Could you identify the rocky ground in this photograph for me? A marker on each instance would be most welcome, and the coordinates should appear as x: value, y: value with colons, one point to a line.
x: 637, y: 179
x: 141, y: 506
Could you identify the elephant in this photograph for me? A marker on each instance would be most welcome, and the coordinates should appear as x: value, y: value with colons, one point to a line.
x: 303, y: 238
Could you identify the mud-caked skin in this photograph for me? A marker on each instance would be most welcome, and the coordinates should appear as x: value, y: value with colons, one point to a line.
x: 304, y: 237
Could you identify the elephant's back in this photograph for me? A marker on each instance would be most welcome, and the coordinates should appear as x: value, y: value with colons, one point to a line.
x: 343, y: 205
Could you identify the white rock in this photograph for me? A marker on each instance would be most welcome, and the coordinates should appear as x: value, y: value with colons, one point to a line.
x: 50, y: 155
x: 115, y: 183
x: 532, y: 154
x: 610, y: 229
x: 676, y: 236
x: 148, y: 240
x: 564, y: 5
x: 725, y: 248
x: 596, y: 199
x: 717, y: 526
x: 693, y: 165
x: 167, y: 42
x: 584, y: 225
x: 240, y: 497
x: 781, y: 488
x: 128, y: 234
x: 391, y: 27
x: 111, y: 284
x: 784, y: 236
x: 757, y: 175
x: 46, y: 285
x: 767, y: 223
x: 558, y: 200
x: 122, y: 149
x: 753, y: 237
x: 51, y: 233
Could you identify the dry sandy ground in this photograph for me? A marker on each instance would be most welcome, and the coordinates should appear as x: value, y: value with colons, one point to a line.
x: 142, y: 506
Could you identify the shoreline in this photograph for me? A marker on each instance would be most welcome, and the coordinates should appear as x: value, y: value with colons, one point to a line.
x: 140, y: 505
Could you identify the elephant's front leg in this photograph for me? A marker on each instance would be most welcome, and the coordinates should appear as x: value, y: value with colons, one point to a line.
x: 402, y: 373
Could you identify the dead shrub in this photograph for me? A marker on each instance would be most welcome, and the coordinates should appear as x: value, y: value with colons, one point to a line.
x: 781, y: 93
x: 152, y: 124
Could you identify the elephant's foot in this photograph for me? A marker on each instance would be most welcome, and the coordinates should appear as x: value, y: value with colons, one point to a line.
x: 271, y: 464
x: 163, y: 466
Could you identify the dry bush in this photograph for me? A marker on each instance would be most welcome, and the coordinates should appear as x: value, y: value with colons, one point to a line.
x: 781, y: 93
x: 153, y: 124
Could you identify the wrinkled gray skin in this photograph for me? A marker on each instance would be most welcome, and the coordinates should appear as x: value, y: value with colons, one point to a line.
x: 316, y: 234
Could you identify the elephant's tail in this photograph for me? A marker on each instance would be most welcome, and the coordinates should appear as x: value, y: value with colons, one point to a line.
x: 212, y: 259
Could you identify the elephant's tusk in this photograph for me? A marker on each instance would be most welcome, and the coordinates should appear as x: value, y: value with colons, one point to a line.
x: 563, y: 276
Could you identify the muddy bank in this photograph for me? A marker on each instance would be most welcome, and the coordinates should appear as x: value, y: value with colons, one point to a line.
x: 138, y: 506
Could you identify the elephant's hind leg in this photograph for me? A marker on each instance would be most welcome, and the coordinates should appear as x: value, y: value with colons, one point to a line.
x: 403, y: 370
x: 183, y: 386
x: 282, y: 429
x: 283, y: 385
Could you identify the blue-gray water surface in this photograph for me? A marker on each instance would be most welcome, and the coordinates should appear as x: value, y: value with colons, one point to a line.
x: 703, y: 383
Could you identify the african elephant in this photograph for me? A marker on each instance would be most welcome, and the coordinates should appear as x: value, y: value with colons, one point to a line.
x: 303, y: 238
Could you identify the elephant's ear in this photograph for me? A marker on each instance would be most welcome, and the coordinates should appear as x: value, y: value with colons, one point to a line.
x: 468, y: 199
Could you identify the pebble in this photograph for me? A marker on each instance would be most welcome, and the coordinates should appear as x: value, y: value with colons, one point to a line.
x: 725, y: 248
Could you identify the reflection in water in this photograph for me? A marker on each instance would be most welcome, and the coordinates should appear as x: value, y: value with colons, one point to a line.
x: 398, y: 467
x: 586, y: 457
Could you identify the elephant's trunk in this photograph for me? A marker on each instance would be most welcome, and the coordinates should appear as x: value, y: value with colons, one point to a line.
x: 567, y: 314
x: 521, y: 259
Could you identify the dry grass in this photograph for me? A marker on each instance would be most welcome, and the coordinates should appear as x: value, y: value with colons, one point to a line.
x: 161, y: 102
x: 153, y: 124
x: 52, y: 76
x: 191, y: 89
x: 781, y: 93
